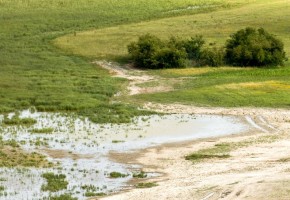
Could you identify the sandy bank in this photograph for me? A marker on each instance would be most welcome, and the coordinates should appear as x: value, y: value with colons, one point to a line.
x: 258, y: 171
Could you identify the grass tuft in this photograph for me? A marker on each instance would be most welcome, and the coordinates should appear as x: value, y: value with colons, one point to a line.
x: 55, y: 182
x: 146, y: 185
x: 117, y: 175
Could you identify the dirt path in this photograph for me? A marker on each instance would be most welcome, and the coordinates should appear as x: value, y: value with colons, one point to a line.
x: 139, y: 81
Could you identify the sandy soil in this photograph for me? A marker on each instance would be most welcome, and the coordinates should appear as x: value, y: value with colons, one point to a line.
x: 136, y: 78
x: 259, y: 171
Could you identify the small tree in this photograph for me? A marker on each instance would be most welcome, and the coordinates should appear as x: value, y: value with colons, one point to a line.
x: 251, y: 47
x: 143, y: 51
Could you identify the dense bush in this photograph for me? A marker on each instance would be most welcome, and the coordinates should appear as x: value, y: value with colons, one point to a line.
x: 247, y: 47
x: 192, y: 46
x: 251, y: 47
x: 151, y: 52
x: 213, y: 57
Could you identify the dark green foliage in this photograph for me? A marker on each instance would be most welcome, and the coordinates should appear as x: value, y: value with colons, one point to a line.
x: 193, y: 47
x: 247, y: 47
x: 151, y: 52
x: 144, y: 50
x: 55, y: 182
x: 169, y: 58
x: 213, y: 57
x: 251, y: 47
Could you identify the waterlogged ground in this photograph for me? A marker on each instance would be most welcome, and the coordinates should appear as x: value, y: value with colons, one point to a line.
x: 78, y: 148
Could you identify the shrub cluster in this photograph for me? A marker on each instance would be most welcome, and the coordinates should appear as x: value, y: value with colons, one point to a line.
x: 251, y: 47
x: 247, y: 47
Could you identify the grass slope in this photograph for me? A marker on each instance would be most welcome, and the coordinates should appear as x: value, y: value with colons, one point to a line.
x: 35, y: 73
x: 218, y: 87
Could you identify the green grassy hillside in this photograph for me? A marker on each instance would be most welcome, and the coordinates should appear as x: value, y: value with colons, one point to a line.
x: 215, y: 27
x: 46, y: 52
x: 36, y: 73
x: 251, y: 87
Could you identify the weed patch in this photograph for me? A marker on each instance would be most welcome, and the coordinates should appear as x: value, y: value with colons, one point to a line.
x: 117, y: 175
x: 63, y: 197
x: 43, y: 130
x: 15, y: 120
x: 55, y: 182
x: 146, y: 185
x: 140, y: 175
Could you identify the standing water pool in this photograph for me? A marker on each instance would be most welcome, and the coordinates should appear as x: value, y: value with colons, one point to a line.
x: 78, y: 148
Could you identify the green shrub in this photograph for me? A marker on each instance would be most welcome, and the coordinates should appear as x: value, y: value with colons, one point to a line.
x: 143, y: 51
x: 152, y: 53
x: 169, y: 58
x: 193, y: 47
x: 251, y: 47
x: 213, y: 57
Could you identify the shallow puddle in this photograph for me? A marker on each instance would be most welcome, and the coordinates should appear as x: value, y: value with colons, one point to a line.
x: 79, y: 148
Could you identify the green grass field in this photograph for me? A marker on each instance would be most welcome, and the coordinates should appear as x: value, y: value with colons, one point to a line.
x: 212, y: 86
x: 47, y: 48
x: 36, y: 73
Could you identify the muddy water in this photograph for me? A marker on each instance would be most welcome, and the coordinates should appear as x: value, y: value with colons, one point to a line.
x: 79, y: 148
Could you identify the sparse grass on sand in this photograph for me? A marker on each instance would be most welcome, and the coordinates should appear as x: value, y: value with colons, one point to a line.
x: 11, y: 155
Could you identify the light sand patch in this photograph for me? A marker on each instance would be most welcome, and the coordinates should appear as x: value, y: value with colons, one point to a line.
x: 257, y: 171
x: 136, y: 79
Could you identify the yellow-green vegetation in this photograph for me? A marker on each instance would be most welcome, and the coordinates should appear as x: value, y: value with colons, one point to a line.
x: 146, y: 185
x: 215, y: 27
x: 91, y: 191
x: 95, y: 194
x: 55, y: 182
x: 12, y: 156
x: 208, y: 87
x: 42, y: 130
x: 117, y: 175
x: 222, y: 150
x: 15, y: 120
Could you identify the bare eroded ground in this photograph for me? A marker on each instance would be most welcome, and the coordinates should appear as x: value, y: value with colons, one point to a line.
x: 258, y: 171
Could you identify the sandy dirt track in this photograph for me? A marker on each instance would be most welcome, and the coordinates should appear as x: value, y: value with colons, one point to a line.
x: 259, y: 171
